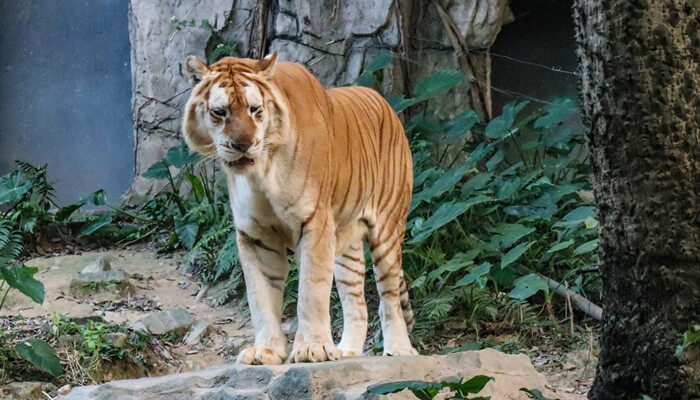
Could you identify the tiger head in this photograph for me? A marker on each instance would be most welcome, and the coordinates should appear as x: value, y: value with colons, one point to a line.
x: 235, y: 111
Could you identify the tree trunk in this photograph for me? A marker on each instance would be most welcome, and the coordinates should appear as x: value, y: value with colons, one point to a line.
x: 639, y: 85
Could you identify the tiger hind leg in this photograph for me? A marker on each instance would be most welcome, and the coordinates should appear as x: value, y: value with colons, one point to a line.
x: 386, y: 257
x: 349, y: 273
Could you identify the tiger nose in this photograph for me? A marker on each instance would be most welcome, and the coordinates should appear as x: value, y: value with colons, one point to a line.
x: 241, y: 146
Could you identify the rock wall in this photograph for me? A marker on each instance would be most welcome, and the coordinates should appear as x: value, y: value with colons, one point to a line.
x: 333, y: 38
x: 345, y: 379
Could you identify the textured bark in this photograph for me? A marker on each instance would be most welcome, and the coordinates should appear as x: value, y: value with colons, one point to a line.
x: 639, y: 85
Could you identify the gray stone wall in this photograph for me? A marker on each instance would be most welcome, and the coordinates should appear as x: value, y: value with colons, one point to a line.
x: 64, y: 93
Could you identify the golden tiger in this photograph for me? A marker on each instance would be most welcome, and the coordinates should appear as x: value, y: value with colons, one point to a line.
x: 316, y: 171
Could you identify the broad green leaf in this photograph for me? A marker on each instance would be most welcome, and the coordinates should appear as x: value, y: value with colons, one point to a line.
x: 98, y: 198
x: 527, y: 286
x: 472, y: 386
x: 504, y: 277
x: 20, y: 278
x: 558, y: 111
x: 475, y: 275
x: 41, y: 355
x: 455, y: 264
x: 458, y: 126
x: 186, y: 232
x: 94, y: 226
x: 560, y: 137
x: 380, y: 61
x: 197, y: 186
x: 367, y: 77
x: 422, y: 176
x: 577, y: 216
x: 508, y: 188
x: 13, y: 186
x: 586, y: 247
x: 493, y: 162
x: 513, y: 254
x: 445, y: 214
x: 158, y: 170
x: 500, y: 127
x: 445, y: 182
x: 477, y: 182
x: 590, y: 222
x: 399, y: 103
x: 561, y: 246
x: 479, y: 153
x: 508, y: 234
x: 426, y: 123
x: 557, y: 192
x: 179, y: 156
x: 422, y: 390
x: 436, y: 83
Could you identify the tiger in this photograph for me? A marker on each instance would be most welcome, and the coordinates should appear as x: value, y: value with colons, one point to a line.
x: 318, y: 172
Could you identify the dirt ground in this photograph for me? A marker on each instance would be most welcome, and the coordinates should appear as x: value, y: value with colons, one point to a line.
x: 159, y: 284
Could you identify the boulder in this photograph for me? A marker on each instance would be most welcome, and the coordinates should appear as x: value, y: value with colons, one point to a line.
x: 198, y: 331
x: 166, y: 321
x: 99, y: 265
x: 345, y: 379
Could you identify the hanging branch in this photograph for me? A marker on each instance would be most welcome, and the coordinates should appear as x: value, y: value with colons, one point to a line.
x: 480, y: 95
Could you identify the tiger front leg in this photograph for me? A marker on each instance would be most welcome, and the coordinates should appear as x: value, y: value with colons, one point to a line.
x: 265, y: 270
x: 313, y: 341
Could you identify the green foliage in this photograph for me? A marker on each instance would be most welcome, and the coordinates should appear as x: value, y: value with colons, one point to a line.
x: 41, y: 355
x: 494, y: 204
x: 193, y: 210
x: 690, y: 337
x: 95, y: 343
x: 20, y: 278
x: 536, y: 394
x: 428, y: 390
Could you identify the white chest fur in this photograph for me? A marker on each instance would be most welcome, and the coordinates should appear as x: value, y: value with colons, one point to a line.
x: 263, y: 209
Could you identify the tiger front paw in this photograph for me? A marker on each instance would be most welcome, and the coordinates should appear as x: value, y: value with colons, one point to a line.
x: 400, y: 351
x: 258, y: 356
x: 314, y: 352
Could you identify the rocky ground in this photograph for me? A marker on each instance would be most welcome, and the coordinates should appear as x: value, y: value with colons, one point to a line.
x: 151, y: 294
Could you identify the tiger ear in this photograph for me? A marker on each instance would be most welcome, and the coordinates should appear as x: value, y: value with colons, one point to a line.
x: 196, y: 69
x: 266, y: 66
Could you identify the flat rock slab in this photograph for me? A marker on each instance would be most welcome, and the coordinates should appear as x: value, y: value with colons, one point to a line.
x: 345, y: 379
x: 166, y: 321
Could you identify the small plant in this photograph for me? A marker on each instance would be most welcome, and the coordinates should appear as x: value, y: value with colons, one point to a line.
x: 428, y: 390
x: 193, y: 209
x: 690, y: 338
x: 217, y: 47
x: 536, y: 394
x: 100, y: 343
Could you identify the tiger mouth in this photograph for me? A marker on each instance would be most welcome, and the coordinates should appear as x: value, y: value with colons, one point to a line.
x: 241, y: 162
